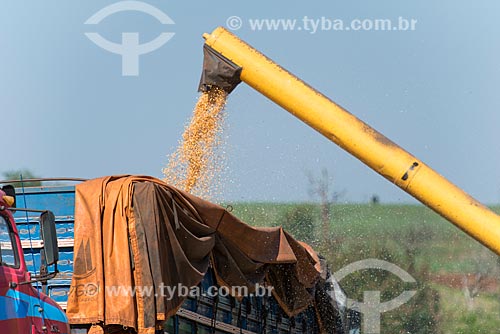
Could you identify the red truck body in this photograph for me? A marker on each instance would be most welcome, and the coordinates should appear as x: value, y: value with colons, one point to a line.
x: 23, y: 309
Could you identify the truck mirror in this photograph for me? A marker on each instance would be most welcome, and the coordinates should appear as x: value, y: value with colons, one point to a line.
x: 49, y: 236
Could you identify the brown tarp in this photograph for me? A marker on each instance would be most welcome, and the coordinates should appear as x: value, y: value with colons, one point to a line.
x: 136, y: 231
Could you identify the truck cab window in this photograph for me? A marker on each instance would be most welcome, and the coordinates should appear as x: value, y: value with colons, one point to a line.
x: 8, y: 254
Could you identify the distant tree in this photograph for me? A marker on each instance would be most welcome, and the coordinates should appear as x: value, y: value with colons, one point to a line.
x: 321, y: 187
x: 25, y: 174
x: 473, y: 283
x: 375, y: 199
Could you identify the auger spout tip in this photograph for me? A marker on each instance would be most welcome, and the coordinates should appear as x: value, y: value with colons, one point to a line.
x: 218, y: 71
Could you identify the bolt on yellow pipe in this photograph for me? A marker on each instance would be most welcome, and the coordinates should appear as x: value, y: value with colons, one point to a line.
x: 359, y: 139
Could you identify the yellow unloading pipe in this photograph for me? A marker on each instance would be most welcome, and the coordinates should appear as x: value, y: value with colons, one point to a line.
x: 359, y: 139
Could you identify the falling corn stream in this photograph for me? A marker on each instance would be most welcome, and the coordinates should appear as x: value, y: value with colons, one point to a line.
x: 197, y: 161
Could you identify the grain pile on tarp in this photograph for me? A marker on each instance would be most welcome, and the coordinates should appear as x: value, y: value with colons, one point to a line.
x: 136, y: 231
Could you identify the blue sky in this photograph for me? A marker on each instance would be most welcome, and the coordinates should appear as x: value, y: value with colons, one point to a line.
x: 67, y: 110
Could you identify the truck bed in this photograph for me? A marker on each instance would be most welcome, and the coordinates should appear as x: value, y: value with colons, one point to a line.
x: 227, y: 315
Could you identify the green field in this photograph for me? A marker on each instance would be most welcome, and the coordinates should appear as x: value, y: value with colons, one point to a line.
x: 413, y: 237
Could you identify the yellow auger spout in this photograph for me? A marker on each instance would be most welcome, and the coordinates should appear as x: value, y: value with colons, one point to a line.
x: 358, y: 138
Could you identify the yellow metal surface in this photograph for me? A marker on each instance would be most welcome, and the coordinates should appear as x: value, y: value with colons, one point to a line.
x: 359, y: 139
x: 9, y: 200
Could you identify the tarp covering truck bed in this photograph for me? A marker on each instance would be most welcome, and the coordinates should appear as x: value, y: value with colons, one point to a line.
x: 135, y: 231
